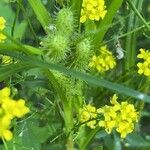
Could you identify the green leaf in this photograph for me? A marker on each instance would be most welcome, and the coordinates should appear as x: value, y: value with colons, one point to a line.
x: 8, y: 70
x: 33, y: 61
x: 117, y: 143
x: 42, y: 14
x: 105, y: 23
x: 85, y: 135
x: 135, y: 140
x: 14, y: 47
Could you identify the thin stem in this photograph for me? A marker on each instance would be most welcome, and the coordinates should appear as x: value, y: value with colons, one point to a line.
x: 128, y: 42
x: 15, y: 20
x: 5, y: 144
x: 125, y: 34
x: 138, y: 14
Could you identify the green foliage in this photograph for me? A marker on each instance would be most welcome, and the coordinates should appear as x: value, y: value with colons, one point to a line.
x: 51, y: 51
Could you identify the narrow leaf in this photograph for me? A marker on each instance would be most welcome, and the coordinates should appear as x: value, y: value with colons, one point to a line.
x: 42, y: 14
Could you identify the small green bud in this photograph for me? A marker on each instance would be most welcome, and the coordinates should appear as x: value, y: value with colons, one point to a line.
x: 65, y: 21
x: 56, y: 47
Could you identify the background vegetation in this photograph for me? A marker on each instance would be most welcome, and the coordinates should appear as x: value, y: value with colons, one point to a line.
x: 34, y: 78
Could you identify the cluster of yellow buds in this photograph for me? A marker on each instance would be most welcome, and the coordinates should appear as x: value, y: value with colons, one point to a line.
x: 103, y: 62
x: 144, y: 67
x: 9, y: 109
x: 2, y: 27
x: 87, y: 115
x: 120, y: 116
x: 93, y: 10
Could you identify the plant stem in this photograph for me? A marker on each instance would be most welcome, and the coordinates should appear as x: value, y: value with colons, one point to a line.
x: 5, y: 145
x: 68, y: 117
x: 138, y: 14
x: 130, y: 42
x: 125, y: 34
x: 67, y: 107
x: 15, y: 20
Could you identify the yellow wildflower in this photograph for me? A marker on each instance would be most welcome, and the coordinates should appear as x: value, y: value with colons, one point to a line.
x: 2, y: 27
x: 2, y: 38
x: 144, y: 54
x: 7, y: 134
x: 2, y: 23
x: 104, y: 62
x: 144, y: 67
x: 119, y: 116
x: 4, y: 93
x: 87, y: 114
x: 93, y: 10
x: 125, y: 128
x: 20, y: 109
x: 9, y: 109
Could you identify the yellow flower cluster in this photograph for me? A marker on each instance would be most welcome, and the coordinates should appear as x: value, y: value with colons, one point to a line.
x: 9, y: 109
x: 93, y: 10
x: 144, y: 67
x: 87, y: 115
x: 104, y: 62
x: 119, y: 116
x: 2, y: 27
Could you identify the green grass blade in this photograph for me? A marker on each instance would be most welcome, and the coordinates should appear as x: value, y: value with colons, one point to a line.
x: 42, y: 14
x: 8, y: 70
x: 27, y: 48
x: 33, y: 61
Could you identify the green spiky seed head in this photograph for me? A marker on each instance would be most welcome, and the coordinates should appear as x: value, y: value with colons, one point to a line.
x: 70, y: 86
x: 83, y: 54
x: 65, y: 21
x: 56, y: 47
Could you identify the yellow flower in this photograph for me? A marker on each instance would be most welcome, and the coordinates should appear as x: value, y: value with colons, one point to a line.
x: 7, y: 134
x: 93, y: 10
x: 144, y: 67
x: 9, y: 109
x: 4, y: 93
x: 108, y: 125
x: 144, y: 54
x: 104, y: 62
x: 125, y: 128
x: 91, y: 124
x: 2, y: 23
x: 2, y: 38
x: 2, y: 26
x: 20, y: 109
x: 119, y: 116
x: 87, y: 114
